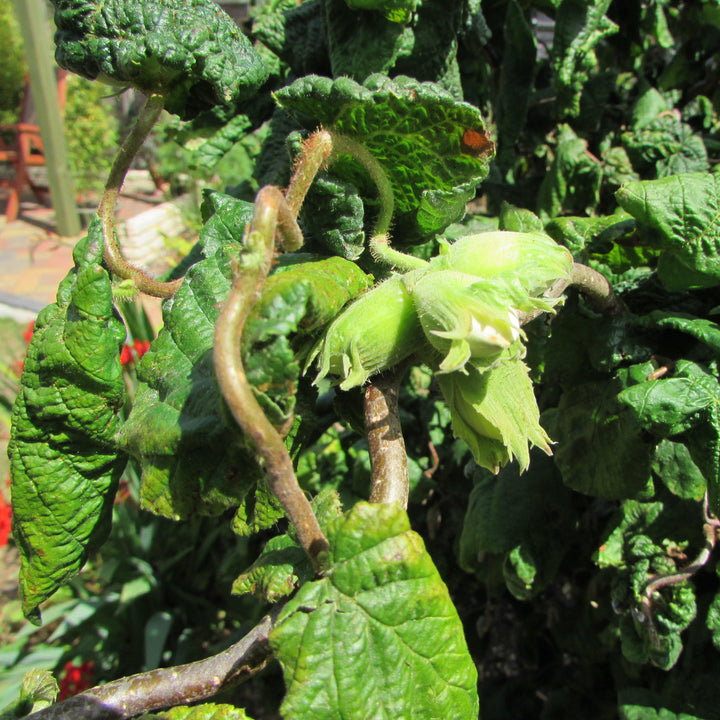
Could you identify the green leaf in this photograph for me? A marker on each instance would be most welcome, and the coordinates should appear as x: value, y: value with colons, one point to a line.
x: 432, y: 147
x: 192, y: 455
x: 600, y: 449
x: 583, y: 235
x: 204, y: 711
x: 572, y: 184
x: 295, y: 34
x: 641, y: 704
x: 193, y: 54
x: 665, y: 146
x: 518, y: 219
x: 525, y: 516
x: 378, y: 636
x: 65, y: 463
x: 517, y: 73
x: 579, y: 27
x: 333, y: 216
x: 674, y: 465
x: 684, y: 210
x: 399, y: 11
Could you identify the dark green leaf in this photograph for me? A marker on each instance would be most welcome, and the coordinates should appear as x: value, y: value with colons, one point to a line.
x: 600, y: 447
x: 361, y: 643
x: 572, y: 184
x: 398, y: 11
x: 516, y: 79
x: 296, y: 35
x: 64, y: 459
x: 673, y: 464
x: 432, y: 147
x: 193, y: 54
x: 684, y: 210
x: 583, y: 235
x: 641, y: 704
x: 579, y: 27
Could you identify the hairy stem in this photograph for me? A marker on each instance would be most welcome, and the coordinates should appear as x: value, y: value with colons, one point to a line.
x: 167, y: 687
x: 315, y: 152
x: 380, y: 241
x: 106, y: 209
x: 388, y: 458
x: 269, y: 446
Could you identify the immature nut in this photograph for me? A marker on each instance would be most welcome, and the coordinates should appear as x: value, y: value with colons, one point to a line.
x: 374, y: 333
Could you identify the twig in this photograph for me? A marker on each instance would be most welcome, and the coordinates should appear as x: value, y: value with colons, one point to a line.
x: 660, y: 581
x: 591, y: 283
x: 269, y: 446
x: 388, y: 458
x: 106, y: 209
x: 168, y: 687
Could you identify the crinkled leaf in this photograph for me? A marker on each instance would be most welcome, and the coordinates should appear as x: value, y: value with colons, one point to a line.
x: 600, y: 449
x: 361, y: 643
x: 362, y: 43
x: 260, y: 511
x: 704, y: 331
x: 398, y: 11
x: 583, y: 235
x: 204, y: 711
x: 283, y: 564
x: 579, y: 27
x: 296, y: 35
x: 275, y: 574
x: 572, y: 183
x: 432, y: 147
x: 192, y: 455
x: 192, y: 53
x: 684, y: 209
x: 65, y: 463
x: 333, y: 215
x: 636, y: 703
x: 210, y: 136
x: 665, y: 147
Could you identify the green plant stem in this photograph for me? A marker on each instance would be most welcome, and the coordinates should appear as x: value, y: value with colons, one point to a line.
x: 315, y: 152
x: 269, y: 446
x: 380, y: 241
x: 106, y: 209
x: 168, y: 687
x: 390, y: 481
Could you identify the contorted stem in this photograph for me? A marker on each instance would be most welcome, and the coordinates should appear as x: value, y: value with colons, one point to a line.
x: 379, y: 242
x: 591, y: 283
x: 657, y: 582
x: 106, y: 209
x: 269, y: 446
x: 315, y: 152
x: 167, y: 687
x: 388, y: 458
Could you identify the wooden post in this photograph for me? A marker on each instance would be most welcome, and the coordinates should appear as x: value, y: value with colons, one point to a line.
x: 39, y: 54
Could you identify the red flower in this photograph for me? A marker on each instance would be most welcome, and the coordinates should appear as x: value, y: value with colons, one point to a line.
x: 77, y: 678
x: 5, y: 521
x: 141, y: 347
x: 132, y: 353
x: 126, y: 356
x: 27, y: 335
